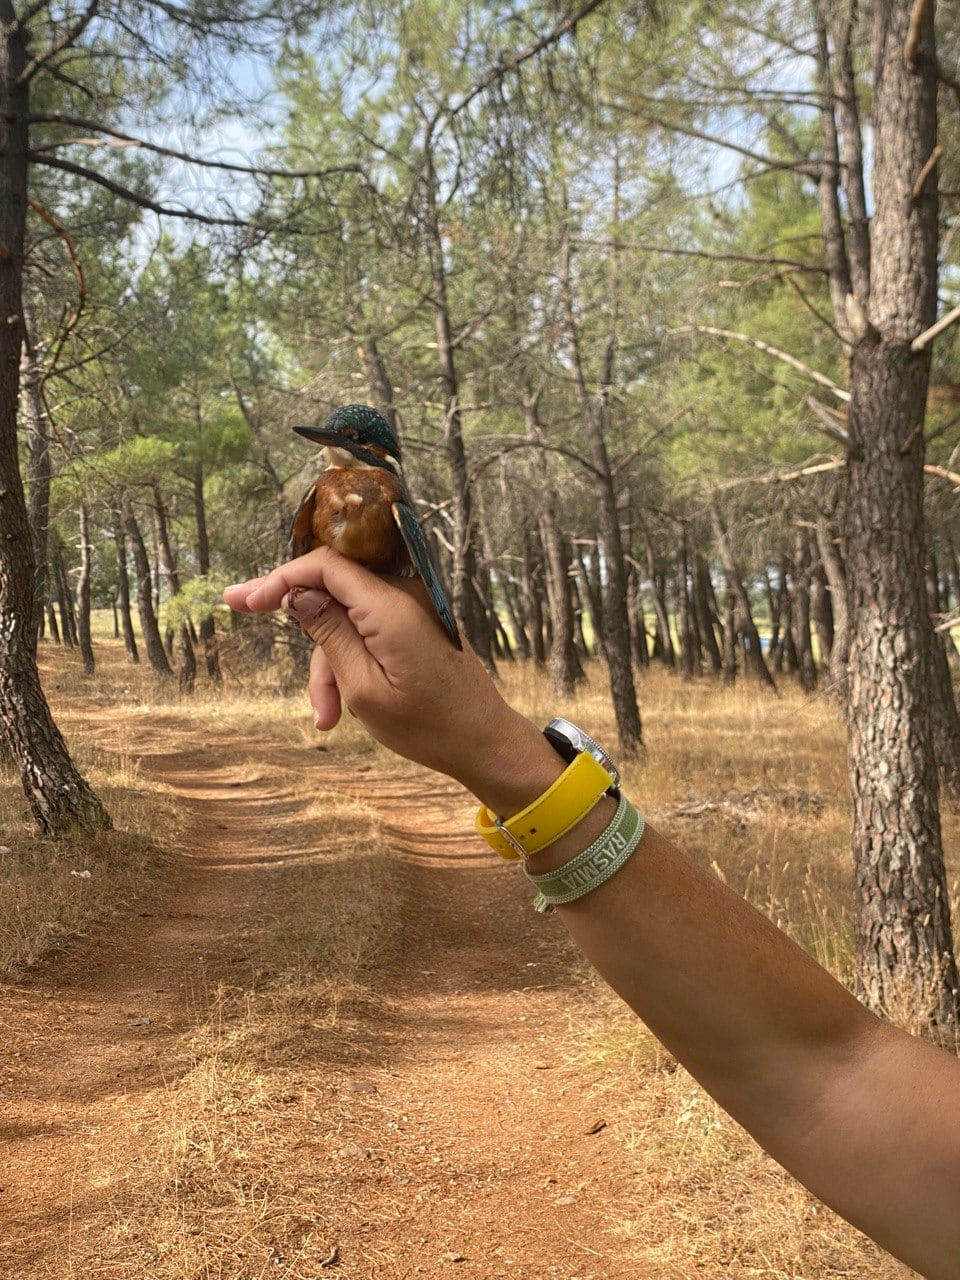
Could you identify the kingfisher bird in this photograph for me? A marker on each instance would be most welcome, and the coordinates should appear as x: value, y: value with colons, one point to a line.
x: 359, y: 504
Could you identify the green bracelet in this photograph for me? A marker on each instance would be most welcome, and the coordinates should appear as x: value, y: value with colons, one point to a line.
x: 595, y: 865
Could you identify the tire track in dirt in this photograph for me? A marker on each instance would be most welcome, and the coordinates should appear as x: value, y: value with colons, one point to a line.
x: 462, y: 1147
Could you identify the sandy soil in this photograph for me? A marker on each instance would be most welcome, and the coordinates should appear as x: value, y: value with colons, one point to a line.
x: 441, y: 1132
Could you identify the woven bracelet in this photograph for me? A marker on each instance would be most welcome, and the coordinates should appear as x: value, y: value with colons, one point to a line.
x: 594, y: 866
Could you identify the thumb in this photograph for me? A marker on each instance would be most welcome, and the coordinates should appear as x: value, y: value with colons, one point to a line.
x: 327, y: 624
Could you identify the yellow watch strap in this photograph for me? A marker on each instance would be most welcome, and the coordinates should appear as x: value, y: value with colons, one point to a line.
x: 551, y: 815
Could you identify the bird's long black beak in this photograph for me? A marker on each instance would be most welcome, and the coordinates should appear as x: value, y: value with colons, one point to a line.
x: 333, y: 439
x: 320, y: 436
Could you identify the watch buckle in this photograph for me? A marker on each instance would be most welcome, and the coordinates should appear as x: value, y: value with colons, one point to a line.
x: 510, y: 838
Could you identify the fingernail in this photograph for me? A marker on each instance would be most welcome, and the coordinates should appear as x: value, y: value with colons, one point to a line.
x: 316, y: 720
x: 308, y: 605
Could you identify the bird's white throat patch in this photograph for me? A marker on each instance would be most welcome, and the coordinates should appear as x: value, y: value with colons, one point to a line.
x: 337, y: 457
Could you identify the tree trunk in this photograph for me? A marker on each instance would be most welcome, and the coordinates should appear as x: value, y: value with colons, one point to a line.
x: 68, y: 615
x: 52, y: 624
x: 149, y: 629
x: 566, y: 670
x: 821, y: 607
x: 59, y: 797
x: 514, y: 604
x: 730, y: 637
x: 39, y: 468
x: 208, y: 627
x: 753, y: 650
x: 83, y: 593
x: 378, y: 380
x: 775, y: 606
x: 533, y: 581
x: 638, y: 625
x: 904, y: 939
x: 187, y: 664
x: 705, y: 614
x: 664, y: 638
x: 468, y: 606
x: 802, y: 639
x: 684, y: 625
x: 593, y: 413
x: 591, y: 591
x: 833, y: 567
x: 123, y: 587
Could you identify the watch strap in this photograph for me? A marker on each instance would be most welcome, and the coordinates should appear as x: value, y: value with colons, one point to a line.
x: 551, y: 815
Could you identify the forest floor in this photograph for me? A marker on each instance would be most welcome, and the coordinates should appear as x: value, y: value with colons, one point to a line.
x: 325, y: 1035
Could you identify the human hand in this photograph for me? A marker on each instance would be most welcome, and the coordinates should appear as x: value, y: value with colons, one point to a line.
x: 381, y: 652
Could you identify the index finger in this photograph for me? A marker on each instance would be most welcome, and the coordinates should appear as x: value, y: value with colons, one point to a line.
x: 348, y: 582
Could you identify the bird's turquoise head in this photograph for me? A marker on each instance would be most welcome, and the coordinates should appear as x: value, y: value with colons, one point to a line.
x: 358, y: 429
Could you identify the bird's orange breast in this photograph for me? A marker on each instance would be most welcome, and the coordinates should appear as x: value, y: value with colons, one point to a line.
x: 352, y: 511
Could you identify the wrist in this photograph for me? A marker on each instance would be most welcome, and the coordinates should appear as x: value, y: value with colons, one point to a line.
x: 512, y: 766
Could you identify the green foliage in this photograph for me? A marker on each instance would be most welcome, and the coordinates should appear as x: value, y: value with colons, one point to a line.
x: 200, y: 598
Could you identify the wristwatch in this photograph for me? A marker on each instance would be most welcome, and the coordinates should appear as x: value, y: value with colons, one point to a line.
x: 570, y: 741
x: 590, y: 774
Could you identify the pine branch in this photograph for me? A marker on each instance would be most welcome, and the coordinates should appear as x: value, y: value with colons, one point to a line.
x: 812, y: 374
x: 806, y: 167
x: 127, y: 140
x: 928, y: 335
x: 134, y: 197
x: 911, y: 48
x: 565, y: 27
x: 68, y: 38
x: 760, y: 259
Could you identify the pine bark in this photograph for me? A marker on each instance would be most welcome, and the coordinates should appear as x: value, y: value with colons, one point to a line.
x: 904, y: 937
x: 59, y: 798
x: 39, y: 467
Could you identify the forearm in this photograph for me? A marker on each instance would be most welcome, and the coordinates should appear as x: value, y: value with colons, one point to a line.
x: 866, y: 1117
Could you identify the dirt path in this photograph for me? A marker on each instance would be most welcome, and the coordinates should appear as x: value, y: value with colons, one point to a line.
x: 440, y: 1133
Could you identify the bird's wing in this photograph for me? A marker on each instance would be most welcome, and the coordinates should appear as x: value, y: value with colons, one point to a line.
x: 413, y: 537
x: 301, y: 530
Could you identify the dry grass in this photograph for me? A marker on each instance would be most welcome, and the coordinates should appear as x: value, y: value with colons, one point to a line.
x: 224, y: 1181
x: 51, y: 890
